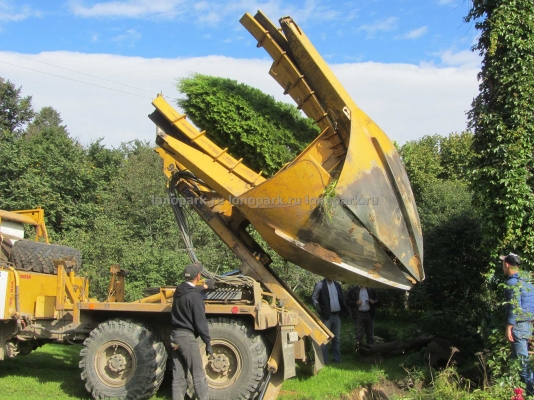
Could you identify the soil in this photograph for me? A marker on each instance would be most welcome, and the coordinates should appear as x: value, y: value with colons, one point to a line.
x: 379, y: 391
x: 321, y: 252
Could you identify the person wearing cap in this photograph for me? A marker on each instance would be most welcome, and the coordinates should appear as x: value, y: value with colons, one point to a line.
x: 328, y: 300
x: 189, y: 322
x: 519, y: 300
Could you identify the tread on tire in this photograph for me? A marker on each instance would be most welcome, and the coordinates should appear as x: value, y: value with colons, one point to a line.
x: 252, y: 349
x: 124, y: 360
x: 39, y: 257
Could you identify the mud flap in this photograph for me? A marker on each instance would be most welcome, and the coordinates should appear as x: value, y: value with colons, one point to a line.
x: 319, y: 360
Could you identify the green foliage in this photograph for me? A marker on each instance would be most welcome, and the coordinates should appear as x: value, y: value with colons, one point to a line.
x: 15, y: 111
x: 49, y: 169
x: 436, y: 158
x: 139, y: 233
x: 266, y: 133
x: 502, y: 119
x: 454, y: 261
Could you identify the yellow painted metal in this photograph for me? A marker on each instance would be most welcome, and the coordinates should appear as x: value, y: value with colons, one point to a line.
x: 385, y: 225
x: 45, y: 307
x: 212, y: 172
x: 70, y: 288
x: 308, y: 324
x: 344, y: 207
x: 31, y: 286
x: 33, y: 217
x: 234, y: 168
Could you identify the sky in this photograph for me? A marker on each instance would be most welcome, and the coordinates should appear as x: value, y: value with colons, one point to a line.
x: 407, y: 63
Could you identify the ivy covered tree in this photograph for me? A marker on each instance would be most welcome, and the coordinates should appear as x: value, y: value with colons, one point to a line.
x: 253, y: 125
x: 502, y: 119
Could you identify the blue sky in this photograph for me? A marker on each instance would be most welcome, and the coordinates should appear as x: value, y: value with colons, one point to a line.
x: 410, y: 47
x: 406, y: 31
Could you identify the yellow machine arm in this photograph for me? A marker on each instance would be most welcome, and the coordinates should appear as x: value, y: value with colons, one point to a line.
x: 344, y: 207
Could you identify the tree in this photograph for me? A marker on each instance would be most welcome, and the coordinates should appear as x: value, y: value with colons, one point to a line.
x: 455, y: 262
x: 15, y: 111
x: 502, y: 119
x: 135, y: 228
x: 44, y: 166
x: 265, y: 132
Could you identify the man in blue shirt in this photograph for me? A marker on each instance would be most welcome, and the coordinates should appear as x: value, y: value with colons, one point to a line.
x: 519, y: 300
x: 328, y: 300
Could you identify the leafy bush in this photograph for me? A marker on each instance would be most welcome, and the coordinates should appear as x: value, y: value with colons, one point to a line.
x: 266, y: 133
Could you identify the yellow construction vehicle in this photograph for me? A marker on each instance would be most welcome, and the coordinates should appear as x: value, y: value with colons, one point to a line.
x: 310, y: 212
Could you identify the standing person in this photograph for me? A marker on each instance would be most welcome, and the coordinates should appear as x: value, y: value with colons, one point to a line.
x: 328, y: 300
x: 188, y: 322
x: 362, y: 301
x: 519, y: 299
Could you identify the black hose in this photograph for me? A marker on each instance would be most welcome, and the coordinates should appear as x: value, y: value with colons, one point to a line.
x: 267, y: 380
x: 180, y: 217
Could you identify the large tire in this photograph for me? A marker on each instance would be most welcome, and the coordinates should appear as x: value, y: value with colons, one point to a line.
x: 240, y: 354
x: 122, y: 360
x: 39, y: 257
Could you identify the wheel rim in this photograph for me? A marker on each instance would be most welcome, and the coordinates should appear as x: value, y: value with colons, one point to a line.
x: 115, y: 363
x: 225, y: 367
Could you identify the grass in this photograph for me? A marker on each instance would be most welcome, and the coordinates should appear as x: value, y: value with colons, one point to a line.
x: 335, y: 380
x: 327, y: 201
x: 51, y: 372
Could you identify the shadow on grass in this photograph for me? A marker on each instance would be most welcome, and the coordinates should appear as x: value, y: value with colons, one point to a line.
x: 57, y: 364
x: 50, y: 363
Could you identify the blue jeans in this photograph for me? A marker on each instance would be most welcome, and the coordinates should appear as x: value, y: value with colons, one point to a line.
x: 521, y: 332
x: 334, y: 324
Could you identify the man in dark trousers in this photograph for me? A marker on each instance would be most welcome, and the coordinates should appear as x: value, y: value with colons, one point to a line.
x: 362, y: 301
x: 519, y: 300
x: 328, y: 300
x: 188, y: 322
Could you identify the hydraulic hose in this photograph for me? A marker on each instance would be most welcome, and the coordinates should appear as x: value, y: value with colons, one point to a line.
x: 17, y: 281
x: 266, y: 384
x: 180, y: 217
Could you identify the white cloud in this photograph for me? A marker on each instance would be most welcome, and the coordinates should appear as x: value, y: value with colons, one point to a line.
x: 384, y: 25
x: 443, y: 2
x: 414, y: 34
x: 464, y: 58
x: 208, y: 12
x: 10, y: 12
x: 131, y: 36
x: 127, y: 8
x: 407, y: 101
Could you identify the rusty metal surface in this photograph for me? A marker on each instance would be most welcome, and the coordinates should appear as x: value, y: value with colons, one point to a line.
x: 344, y: 207
x: 371, y: 233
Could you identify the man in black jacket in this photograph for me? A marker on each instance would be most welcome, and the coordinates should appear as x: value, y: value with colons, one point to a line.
x: 188, y: 322
x: 328, y: 300
x: 362, y: 302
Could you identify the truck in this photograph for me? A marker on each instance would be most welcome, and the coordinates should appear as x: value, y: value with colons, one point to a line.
x: 310, y: 212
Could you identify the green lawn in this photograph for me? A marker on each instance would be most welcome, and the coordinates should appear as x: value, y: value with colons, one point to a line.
x: 51, y: 372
